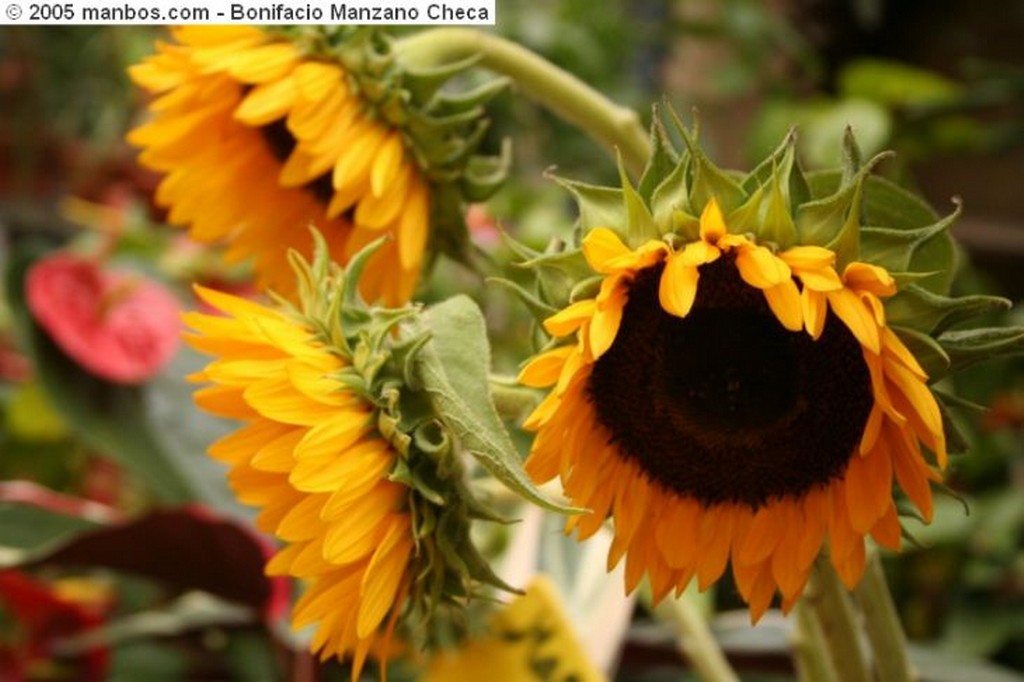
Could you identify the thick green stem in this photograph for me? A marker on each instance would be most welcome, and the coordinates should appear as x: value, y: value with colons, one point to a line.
x: 883, y: 625
x: 810, y: 652
x: 614, y: 126
x: 834, y: 610
x: 695, y: 640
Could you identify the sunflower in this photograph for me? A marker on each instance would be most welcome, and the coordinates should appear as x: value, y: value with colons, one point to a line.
x: 352, y: 468
x: 310, y: 458
x: 729, y: 395
x: 259, y: 139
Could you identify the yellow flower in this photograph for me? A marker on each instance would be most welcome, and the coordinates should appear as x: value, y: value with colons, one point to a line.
x: 310, y: 456
x: 727, y: 403
x: 259, y: 141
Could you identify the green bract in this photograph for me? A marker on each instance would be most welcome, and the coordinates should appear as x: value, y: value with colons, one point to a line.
x: 443, y: 128
x: 426, y: 372
x: 857, y: 215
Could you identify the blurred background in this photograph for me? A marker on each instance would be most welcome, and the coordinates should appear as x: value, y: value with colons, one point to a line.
x: 134, y: 562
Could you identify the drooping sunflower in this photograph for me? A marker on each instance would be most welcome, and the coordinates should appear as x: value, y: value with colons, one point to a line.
x: 337, y: 466
x: 737, y: 388
x: 261, y: 137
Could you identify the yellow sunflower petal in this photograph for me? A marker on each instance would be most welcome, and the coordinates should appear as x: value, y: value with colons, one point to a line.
x: 677, y: 289
x: 568, y: 320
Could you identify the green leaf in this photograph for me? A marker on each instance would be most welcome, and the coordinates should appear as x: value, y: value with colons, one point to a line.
x: 453, y: 368
x: 28, y: 528
x: 894, y: 83
x: 918, y: 308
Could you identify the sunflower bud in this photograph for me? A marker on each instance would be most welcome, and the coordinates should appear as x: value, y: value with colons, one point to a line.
x: 263, y: 133
x: 740, y: 366
x: 344, y: 448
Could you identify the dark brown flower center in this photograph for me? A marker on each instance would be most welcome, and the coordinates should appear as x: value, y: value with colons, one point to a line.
x: 726, y: 405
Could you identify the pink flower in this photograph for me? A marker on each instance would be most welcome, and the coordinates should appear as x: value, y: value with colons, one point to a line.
x: 117, y: 325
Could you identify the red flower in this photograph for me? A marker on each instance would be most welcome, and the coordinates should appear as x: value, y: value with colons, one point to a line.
x: 117, y: 325
x: 42, y: 619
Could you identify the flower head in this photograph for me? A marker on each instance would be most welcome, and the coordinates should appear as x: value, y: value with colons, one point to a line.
x: 262, y: 135
x: 118, y: 325
x: 368, y: 501
x: 737, y: 388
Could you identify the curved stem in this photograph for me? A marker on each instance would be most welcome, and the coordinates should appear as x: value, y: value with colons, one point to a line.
x: 834, y: 611
x: 883, y: 625
x: 614, y: 126
x: 695, y: 640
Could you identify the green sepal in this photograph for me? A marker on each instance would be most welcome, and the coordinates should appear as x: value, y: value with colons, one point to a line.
x: 920, y: 309
x: 670, y: 204
x: 423, y: 83
x: 640, y: 225
x: 709, y: 181
x: 557, y: 273
x: 462, y: 554
x: 453, y: 369
x: 484, y: 175
x: 932, y: 358
x: 777, y: 226
x: 834, y: 221
x: 894, y: 249
x: 959, y: 402
x: 598, y: 206
x: 957, y: 442
x: 470, y: 100
x: 662, y: 163
x: 537, y: 308
x: 970, y: 346
x: 746, y: 218
x: 587, y: 288
x: 782, y: 163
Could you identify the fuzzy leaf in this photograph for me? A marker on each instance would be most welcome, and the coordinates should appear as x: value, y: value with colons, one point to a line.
x: 920, y: 309
x: 897, y: 250
x: 453, y: 368
x: 970, y: 346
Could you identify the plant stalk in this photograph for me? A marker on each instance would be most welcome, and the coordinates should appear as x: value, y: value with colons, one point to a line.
x: 883, y: 625
x: 834, y: 611
x: 614, y: 126
x: 695, y: 640
x: 810, y: 652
